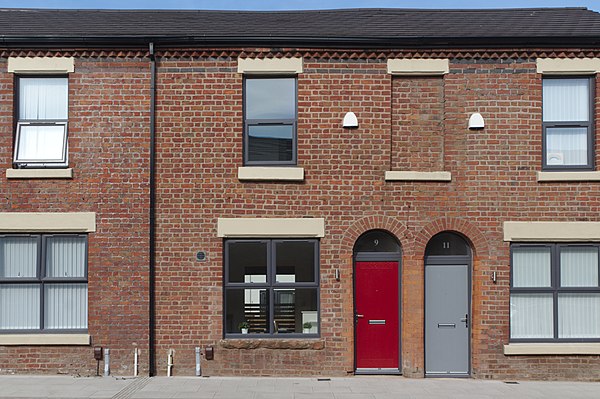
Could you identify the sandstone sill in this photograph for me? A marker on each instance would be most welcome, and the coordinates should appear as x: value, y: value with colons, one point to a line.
x: 295, y: 344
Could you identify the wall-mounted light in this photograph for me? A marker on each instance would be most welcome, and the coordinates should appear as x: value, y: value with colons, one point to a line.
x: 476, y: 121
x: 350, y: 120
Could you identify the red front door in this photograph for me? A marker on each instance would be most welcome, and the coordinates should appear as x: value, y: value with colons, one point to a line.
x: 376, y: 311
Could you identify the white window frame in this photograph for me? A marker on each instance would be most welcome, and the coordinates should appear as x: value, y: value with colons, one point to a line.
x: 61, y: 162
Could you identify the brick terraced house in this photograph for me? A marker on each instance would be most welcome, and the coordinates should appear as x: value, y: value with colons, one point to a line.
x: 367, y: 191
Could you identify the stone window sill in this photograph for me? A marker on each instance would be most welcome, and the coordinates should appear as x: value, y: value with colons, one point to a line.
x: 577, y: 348
x: 44, y: 339
x: 393, y: 175
x: 262, y: 173
x: 568, y: 176
x: 39, y: 173
x: 274, y: 343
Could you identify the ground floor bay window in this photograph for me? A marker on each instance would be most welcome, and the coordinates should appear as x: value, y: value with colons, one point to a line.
x: 271, y: 288
x: 555, y: 293
x: 43, y: 283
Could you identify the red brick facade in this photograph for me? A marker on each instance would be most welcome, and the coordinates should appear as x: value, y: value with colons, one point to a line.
x: 108, y: 151
x: 405, y: 123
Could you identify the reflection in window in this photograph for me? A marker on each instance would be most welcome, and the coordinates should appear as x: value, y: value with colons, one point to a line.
x: 283, y: 299
x: 270, y: 121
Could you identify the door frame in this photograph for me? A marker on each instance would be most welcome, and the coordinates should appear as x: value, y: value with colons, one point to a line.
x: 378, y: 257
x: 450, y: 260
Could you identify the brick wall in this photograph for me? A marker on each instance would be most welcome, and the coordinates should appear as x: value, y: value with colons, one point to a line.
x: 405, y: 123
x: 109, y: 153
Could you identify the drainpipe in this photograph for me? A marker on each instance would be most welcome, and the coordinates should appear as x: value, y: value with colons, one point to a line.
x: 152, y: 216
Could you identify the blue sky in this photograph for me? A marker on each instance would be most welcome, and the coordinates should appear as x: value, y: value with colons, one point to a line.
x: 291, y: 4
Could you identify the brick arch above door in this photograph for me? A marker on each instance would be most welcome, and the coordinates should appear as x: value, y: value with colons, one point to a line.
x: 474, y: 237
x: 375, y: 222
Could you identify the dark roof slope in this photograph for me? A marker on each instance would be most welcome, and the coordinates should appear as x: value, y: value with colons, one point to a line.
x: 354, y: 27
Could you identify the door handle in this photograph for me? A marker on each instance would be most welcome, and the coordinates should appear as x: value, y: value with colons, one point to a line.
x: 357, y: 316
x: 466, y: 320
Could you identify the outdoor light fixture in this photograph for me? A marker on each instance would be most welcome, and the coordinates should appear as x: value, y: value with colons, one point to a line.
x: 476, y: 121
x: 350, y: 120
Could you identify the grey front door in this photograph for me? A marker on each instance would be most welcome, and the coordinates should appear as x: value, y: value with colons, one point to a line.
x: 447, y: 319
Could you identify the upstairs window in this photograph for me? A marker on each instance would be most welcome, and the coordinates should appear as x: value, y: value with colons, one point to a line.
x: 270, y: 121
x: 567, y: 123
x: 41, y: 136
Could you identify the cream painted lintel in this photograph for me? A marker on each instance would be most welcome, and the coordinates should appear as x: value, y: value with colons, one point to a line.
x: 39, y: 173
x: 571, y: 66
x: 57, y: 222
x: 568, y: 176
x: 45, y: 339
x: 552, y: 231
x: 270, y: 227
x: 270, y: 65
x: 553, y: 349
x: 394, y: 175
x: 422, y: 67
x: 26, y: 65
x: 270, y: 173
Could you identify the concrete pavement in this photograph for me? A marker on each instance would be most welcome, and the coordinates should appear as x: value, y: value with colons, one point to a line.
x: 358, y: 387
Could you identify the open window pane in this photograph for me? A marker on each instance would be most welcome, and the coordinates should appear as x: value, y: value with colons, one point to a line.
x: 273, y: 98
x: 567, y: 146
x: 579, y: 267
x: 65, y: 306
x: 65, y: 256
x: 247, y: 305
x: 295, y: 261
x: 531, y: 267
x: 566, y: 100
x: 247, y: 262
x: 531, y: 316
x: 20, y: 306
x: 43, y: 98
x: 270, y: 143
x: 293, y: 308
x: 579, y: 315
x: 18, y: 257
x: 41, y: 143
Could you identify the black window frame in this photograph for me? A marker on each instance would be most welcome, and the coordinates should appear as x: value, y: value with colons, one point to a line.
x: 589, y: 125
x: 270, y: 122
x: 41, y: 163
x: 42, y: 280
x: 555, y: 287
x: 271, y: 285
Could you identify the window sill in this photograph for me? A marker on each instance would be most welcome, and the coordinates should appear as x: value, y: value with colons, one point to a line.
x: 568, y: 176
x: 258, y: 173
x: 577, y: 348
x: 39, y: 173
x: 45, y: 339
x: 273, y: 343
x: 392, y: 175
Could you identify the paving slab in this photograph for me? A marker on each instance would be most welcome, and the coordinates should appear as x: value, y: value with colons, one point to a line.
x: 363, y: 387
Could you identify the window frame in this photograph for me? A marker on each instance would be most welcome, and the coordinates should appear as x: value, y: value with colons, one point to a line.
x: 270, y: 122
x: 41, y: 163
x: 271, y: 285
x: 589, y: 125
x: 555, y: 288
x: 42, y: 280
